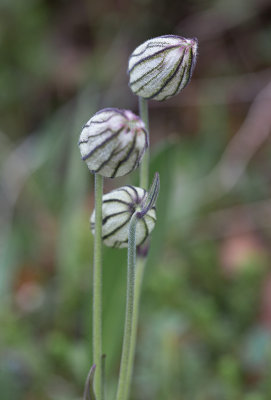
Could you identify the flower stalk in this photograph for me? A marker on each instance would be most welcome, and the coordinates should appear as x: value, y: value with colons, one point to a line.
x: 141, y: 262
x: 97, y: 290
x: 131, y: 316
x: 124, y: 367
x: 139, y: 273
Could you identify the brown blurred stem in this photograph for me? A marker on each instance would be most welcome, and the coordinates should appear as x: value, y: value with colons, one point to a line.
x: 144, y: 167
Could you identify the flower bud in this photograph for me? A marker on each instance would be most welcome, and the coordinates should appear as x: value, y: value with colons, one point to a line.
x: 161, y: 67
x: 113, y: 142
x: 117, y: 209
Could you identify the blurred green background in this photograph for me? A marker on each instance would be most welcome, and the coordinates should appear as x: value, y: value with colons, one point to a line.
x: 205, y: 322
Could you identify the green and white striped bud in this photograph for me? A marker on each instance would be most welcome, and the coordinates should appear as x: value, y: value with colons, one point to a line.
x: 161, y: 67
x: 113, y: 142
x: 117, y: 209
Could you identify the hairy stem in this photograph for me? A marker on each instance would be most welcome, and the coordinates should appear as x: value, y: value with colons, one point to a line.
x: 97, y: 289
x: 141, y: 262
x: 140, y: 267
x: 129, y: 316
x: 134, y: 279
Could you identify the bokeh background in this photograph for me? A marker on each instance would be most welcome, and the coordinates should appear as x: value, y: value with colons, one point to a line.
x: 205, y: 322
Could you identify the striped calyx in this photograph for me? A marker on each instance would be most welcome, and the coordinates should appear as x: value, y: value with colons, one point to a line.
x: 161, y: 67
x: 113, y: 142
x: 117, y: 209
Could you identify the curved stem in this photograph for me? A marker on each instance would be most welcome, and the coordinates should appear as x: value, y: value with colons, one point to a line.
x: 97, y: 289
x: 144, y: 166
x: 129, y: 317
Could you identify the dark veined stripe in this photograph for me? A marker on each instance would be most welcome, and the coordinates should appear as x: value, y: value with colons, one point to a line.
x: 168, y: 79
x: 110, y: 109
x: 137, y: 159
x: 154, y: 41
x: 190, y: 67
x: 173, y: 36
x: 184, y: 80
x: 101, y: 144
x: 146, y: 73
x: 186, y: 77
x: 159, y: 68
x: 129, y: 194
x: 146, y: 227
x: 145, y: 84
x: 179, y: 84
x: 119, y: 150
x: 135, y: 192
x: 151, y: 217
x: 112, y: 154
x: 190, y: 70
x: 117, y: 201
x: 190, y: 63
x: 193, y: 62
x: 146, y: 232
x: 105, y: 219
x: 117, y: 243
x: 177, y: 88
x: 150, y: 44
x: 93, y: 136
x: 117, y: 229
x: 146, y: 138
x: 102, y: 121
x: 142, y: 60
x: 127, y: 156
x: 82, y: 141
x: 103, y: 164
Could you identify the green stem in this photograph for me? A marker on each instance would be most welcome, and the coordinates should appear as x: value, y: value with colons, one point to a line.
x: 140, y: 267
x: 144, y: 166
x: 129, y: 317
x: 97, y: 289
x: 134, y: 279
